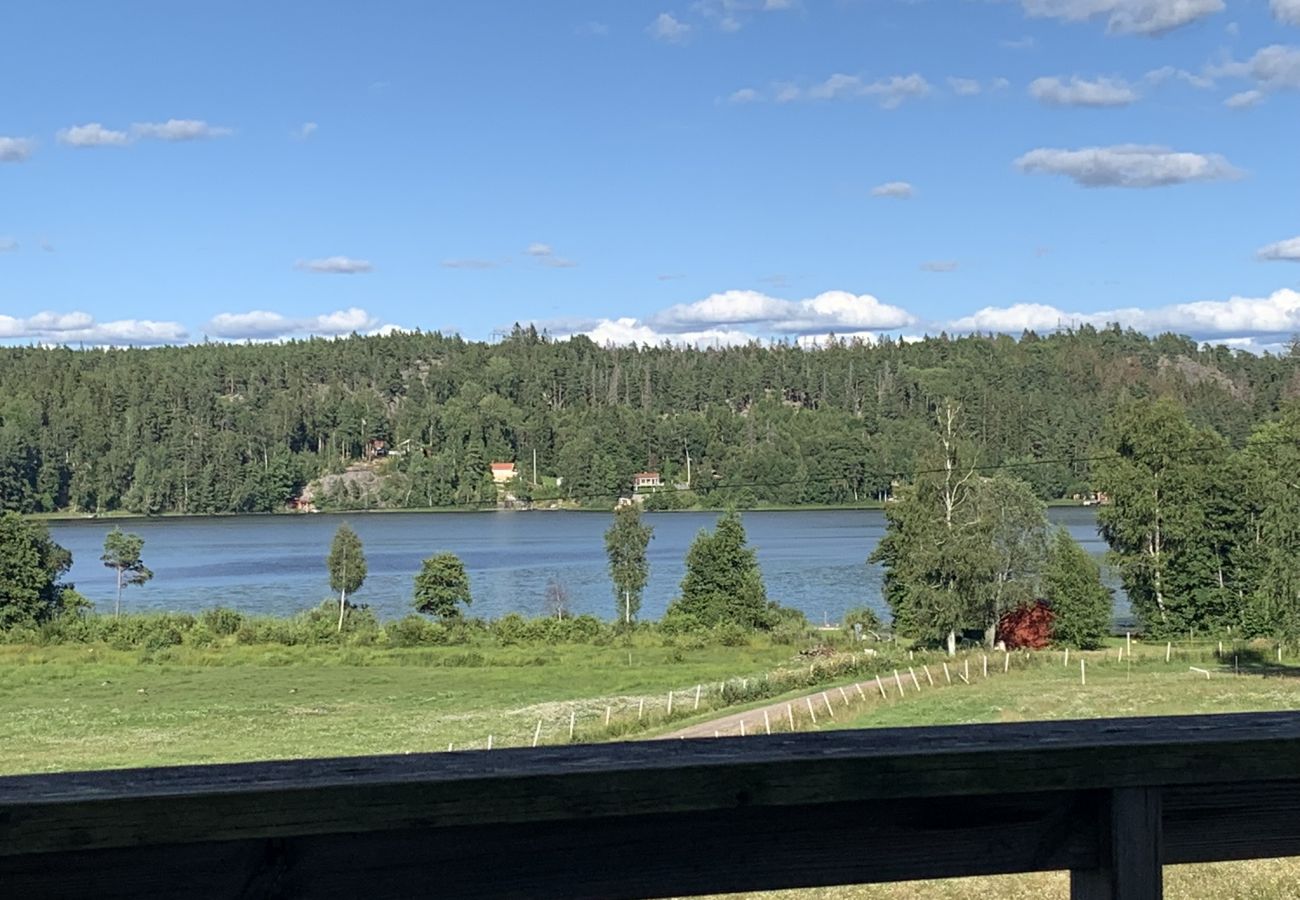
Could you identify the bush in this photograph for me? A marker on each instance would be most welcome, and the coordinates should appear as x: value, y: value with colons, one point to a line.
x: 729, y: 634
x: 414, y: 631
x: 221, y: 621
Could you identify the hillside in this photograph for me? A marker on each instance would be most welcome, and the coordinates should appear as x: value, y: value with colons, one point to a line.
x: 225, y: 427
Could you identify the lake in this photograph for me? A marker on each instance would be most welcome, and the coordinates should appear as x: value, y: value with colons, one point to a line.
x: 812, y: 560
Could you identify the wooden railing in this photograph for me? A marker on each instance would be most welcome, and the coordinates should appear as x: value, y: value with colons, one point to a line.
x: 1109, y: 800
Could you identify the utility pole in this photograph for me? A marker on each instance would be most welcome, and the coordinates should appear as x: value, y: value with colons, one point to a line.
x: 534, y: 467
x: 627, y: 607
x: 688, y: 465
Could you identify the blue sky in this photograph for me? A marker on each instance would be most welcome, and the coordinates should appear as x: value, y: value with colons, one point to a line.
x: 702, y: 170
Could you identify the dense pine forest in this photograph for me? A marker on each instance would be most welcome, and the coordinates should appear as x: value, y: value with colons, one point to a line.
x: 226, y: 427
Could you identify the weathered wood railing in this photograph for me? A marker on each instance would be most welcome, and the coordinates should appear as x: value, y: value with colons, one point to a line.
x: 1109, y: 800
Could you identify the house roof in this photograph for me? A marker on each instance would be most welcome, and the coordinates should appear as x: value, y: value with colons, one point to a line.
x: 646, y: 475
x: 503, y: 466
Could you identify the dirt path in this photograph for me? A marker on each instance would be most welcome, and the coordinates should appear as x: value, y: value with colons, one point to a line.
x: 828, y: 704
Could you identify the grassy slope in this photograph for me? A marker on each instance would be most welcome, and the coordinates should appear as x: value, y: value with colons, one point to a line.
x: 78, y: 708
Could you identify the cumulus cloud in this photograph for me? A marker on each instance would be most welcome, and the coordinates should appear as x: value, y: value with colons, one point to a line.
x: 1244, y: 99
x: 92, y: 134
x: 306, y: 130
x: 745, y: 95
x: 179, y: 130
x: 1238, y: 318
x: 828, y: 311
x: 1142, y: 17
x: 890, y: 92
x: 1127, y: 166
x: 14, y: 149
x: 1165, y: 73
x: 1288, y: 250
x: 668, y: 28
x: 1078, y: 91
x: 335, y: 265
x: 1286, y: 11
x: 940, y: 265
x: 964, y: 87
x: 545, y: 254
x: 81, y: 327
x: 900, y: 190
x: 8, y: 245
x: 261, y: 324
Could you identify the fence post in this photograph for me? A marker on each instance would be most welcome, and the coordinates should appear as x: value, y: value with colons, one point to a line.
x: 670, y: 705
x: 880, y: 684
x: 986, y: 665
x: 537, y: 732
x: 946, y: 673
x: 767, y: 723
x: 1169, y: 649
x: 1132, y: 847
x: 789, y: 711
x: 899, y: 680
x: 928, y: 676
x: 1083, y: 672
x: 1006, y: 661
x: 573, y: 720
x: 697, y: 696
x: 811, y: 713
x: 912, y: 672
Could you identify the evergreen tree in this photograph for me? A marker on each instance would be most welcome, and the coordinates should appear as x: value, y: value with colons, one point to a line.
x: 723, y: 583
x: 1081, y: 604
x: 441, y: 585
x: 347, y: 566
x: 30, y: 567
x: 122, y: 555
x: 629, y: 569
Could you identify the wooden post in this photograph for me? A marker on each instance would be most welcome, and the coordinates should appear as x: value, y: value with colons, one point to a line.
x: 845, y: 695
x: 928, y: 676
x: 811, y: 713
x: 767, y: 723
x: 742, y: 728
x: 670, y: 704
x: 880, y: 684
x: 1067, y: 657
x: 858, y: 685
x: 912, y: 672
x: 789, y: 711
x: 898, y: 679
x: 449, y: 746
x: 1169, y: 649
x: 1205, y: 672
x: 608, y: 710
x: 1279, y: 652
x: 1083, y: 672
x: 1220, y: 649
x: 986, y: 665
x: 489, y: 742
x: 640, y: 709
x: 830, y: 709
x: 946, y: 674
x: 697, y: 696
x: 573, y: 720
x: 1131, y: 852
x: 965, y: 666
x: 537, y: 732
x: 1128, y: 644
x: 1006, y: 661
x: 1236, y: 667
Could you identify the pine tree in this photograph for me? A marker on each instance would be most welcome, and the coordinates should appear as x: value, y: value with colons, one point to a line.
x: 122, y: 555
x: 723, y: 583
x: 1081, y: 604
x: 441, y: 585
x: 30, y: 567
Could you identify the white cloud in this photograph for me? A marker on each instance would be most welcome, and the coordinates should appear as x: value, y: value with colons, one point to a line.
x: 1237, y: 318
x: 306, y: 130
x: 1277, y: 67
x: 940, y: 265
x: 1244, y: 99
x: 964, y: 87
x: 335, y: 265
x: 545, y: 254
x: 745, y: 95
x: 1102, y: 92
x: 261, y: 324
x: 1286, y: 11
x: 665, y: 27
x: 1165, y: 73
x: 92, y: 134
x: 14, y: 149
x: 1127, y: 165
x: 1288, y: 250
x: 1143, y: 17
x: 828, y: 311
x: 731, y: 15
x: 901, y: 190
x: 179, y: 130
x: 81, y: 327
x: 888, y: 92
x: 8, y: 245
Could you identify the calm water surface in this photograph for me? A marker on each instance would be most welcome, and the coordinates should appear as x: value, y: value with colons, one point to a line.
x: 813, y: 560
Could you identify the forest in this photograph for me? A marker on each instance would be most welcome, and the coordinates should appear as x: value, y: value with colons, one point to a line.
x: 221, y: 427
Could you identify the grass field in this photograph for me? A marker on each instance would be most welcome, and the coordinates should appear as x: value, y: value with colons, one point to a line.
x: 74, y: 707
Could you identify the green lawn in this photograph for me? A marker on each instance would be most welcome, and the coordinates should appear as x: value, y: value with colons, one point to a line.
x: 74, y: 707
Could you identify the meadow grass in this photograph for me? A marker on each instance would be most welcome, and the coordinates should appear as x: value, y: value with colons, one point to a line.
x: 78, y: 707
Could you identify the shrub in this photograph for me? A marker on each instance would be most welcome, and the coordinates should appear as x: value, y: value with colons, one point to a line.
x: 222, y: 621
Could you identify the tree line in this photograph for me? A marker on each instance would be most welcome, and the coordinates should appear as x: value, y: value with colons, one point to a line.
x: 231, y: 428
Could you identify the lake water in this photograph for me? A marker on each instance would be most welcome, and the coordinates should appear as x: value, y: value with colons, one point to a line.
x: 814, y: 560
